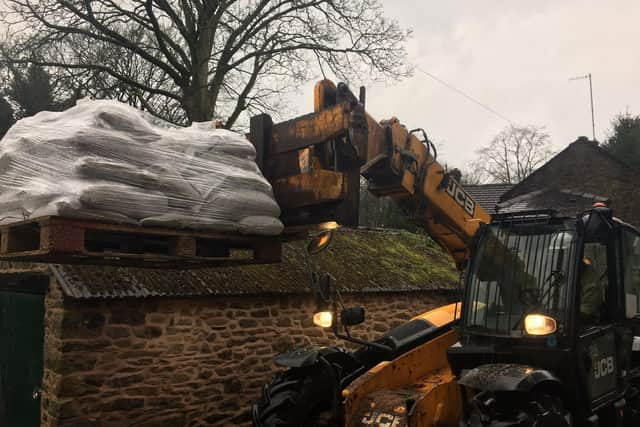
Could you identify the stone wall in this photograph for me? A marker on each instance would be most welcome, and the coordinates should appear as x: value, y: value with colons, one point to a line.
x: 183, y: 362
x: 53, y: 371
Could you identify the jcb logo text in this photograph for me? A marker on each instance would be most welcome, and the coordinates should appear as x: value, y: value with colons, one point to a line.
x: 461, y: 197
x: 603, y: 367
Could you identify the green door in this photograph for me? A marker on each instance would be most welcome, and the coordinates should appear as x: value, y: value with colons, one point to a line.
x: 21, y: 352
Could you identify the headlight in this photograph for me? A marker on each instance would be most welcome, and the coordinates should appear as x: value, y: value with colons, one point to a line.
x: 324, y: 319
x: 539, y: 324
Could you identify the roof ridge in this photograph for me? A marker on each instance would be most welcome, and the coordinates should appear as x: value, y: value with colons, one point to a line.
x: 585, y: 195
x: 582, y: 141
x: 525, y: 196
x: 608, y: 153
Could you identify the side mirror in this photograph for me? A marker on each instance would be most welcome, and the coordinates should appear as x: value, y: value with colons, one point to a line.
x: 323, y: 285
x: 319, y: 242
x: 352, y: 316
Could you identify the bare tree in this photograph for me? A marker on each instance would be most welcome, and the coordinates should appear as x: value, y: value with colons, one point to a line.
x: 472, y: 176
x: 6, y: 116
x: 514, y: 154
x: 205, y: 58
x: 32, y: 90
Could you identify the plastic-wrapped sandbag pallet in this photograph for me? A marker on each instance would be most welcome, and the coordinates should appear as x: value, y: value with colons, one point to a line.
x: 105, y: 183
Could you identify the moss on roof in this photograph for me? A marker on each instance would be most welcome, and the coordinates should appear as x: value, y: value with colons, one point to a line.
x: 359, y: 261
x: 385, y: 260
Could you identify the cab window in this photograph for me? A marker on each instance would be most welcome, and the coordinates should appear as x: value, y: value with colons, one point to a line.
x: 593, y: 284
x: 631, y: 269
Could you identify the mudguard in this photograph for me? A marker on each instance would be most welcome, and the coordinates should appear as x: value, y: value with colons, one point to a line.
x: 305, y: 356
x: 506, y: 377
x: 308, y: 356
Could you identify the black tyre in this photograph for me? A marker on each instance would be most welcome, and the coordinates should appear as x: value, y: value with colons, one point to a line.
x: 548, y: 411
x: 513, y: 409
x: 298, y: 397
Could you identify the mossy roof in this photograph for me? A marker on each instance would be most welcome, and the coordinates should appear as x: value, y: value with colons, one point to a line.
x: 360, y: 261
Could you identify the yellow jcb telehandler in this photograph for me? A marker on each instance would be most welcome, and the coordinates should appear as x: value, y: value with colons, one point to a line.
x: 544, y: 334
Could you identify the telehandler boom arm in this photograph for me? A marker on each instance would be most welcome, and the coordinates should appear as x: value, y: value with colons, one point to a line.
x: 314, y: 163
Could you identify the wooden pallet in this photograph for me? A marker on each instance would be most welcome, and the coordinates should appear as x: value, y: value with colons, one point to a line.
x: 68, y: 241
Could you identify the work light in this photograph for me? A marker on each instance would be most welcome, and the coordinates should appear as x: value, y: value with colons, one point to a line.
x: 539, y: 324
x: 324, y: 319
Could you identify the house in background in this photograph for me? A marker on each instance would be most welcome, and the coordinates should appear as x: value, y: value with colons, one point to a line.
x: 488, y: 195
x: 584, y: 173
x: 564, y: 202
x: 570, y: 182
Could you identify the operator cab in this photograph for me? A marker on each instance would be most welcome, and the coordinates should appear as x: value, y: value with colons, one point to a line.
x: 555, y: 301
x: 521, y: 267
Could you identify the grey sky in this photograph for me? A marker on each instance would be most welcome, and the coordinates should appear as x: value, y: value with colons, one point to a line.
x: 516, y: 57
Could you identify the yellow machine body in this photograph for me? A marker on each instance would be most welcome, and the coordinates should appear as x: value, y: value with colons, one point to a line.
x: 415, y: 389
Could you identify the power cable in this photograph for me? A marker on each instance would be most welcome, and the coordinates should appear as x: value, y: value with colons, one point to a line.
x: 465, y: 95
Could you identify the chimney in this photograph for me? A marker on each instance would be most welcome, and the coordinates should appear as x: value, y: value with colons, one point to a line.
x: 585, y: 140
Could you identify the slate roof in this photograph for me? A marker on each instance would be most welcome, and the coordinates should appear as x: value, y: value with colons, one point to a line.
x: 361, y: 261
x: 551, y: 163
x: 488, y: 195
x: 565, y: 202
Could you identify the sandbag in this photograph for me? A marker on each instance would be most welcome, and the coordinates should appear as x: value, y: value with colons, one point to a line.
x: 9, y: 217
x: 177, y: 220
x: 124, y: 199
x: 96, y: 168
x: 74, y: 209
x: 23, y: 201
x: 98, y: 143
x: 211, y: 185
x: 235, y: 207
x: 262, y: 225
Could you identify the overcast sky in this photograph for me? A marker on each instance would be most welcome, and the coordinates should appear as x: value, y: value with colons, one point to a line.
x: 516, y: 57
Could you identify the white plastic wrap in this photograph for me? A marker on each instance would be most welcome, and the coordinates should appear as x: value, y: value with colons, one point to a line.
x: 108, y: 161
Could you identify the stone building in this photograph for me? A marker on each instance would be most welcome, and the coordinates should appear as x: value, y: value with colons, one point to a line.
x: 576, y: 177
x: 488, y: 195
x: 110, y: 346
x: 570, y: 182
